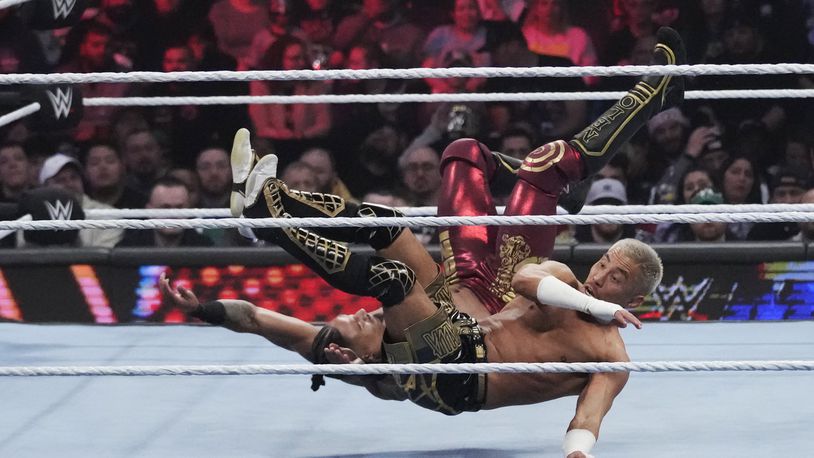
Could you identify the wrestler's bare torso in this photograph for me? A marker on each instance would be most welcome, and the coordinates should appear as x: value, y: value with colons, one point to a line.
x: 527, y: 332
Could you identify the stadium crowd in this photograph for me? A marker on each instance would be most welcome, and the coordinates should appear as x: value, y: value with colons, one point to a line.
x: 706, y: 152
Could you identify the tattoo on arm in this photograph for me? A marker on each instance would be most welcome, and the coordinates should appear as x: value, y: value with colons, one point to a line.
x: 281, y: 330
x: 240, y: 316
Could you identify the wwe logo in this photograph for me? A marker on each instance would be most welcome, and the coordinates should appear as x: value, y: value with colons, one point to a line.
x: 59, y: 211
x: 61, y: 102
x: 62, y: 8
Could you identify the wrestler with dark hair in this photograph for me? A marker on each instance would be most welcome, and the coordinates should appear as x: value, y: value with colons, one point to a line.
x: 541, y: 312
x: 340, y: 341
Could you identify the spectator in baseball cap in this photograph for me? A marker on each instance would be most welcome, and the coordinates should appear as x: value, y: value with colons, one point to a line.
x: 787, y: 187
x: 64, y: 172
x: 605, y: 191
x: 709, y: 231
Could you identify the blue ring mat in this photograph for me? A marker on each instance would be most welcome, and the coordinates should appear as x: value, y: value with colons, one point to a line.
x: 741, y: 414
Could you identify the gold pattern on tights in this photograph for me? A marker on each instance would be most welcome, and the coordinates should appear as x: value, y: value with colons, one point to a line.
x: 443, y: 339
x: 448, y: 258
x: 439, y: 294
x: 544, y: 157
x: 514, y: 251
x: 440, y: 334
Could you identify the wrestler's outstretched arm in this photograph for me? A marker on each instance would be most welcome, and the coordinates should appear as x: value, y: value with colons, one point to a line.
x: 553, y: 283
x: 242, y: 316
x: 593, y: 404
x: 284, y: 331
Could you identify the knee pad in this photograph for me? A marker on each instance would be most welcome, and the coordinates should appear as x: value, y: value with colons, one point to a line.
x: 378, y: 237
x: 389, y: 281
x: 551, y: 167
x: 368, y: 210
x: 471, y: 151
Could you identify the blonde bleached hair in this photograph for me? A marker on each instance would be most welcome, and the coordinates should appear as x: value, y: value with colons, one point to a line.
x: 650, y: 267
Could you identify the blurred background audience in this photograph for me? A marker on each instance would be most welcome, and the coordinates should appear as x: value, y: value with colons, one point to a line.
x: 744, y: 151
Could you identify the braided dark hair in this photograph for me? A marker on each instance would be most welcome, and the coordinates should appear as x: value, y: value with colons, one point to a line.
x: 326, y: 336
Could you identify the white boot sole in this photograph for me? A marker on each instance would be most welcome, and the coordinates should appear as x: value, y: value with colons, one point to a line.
x: 241, y: 160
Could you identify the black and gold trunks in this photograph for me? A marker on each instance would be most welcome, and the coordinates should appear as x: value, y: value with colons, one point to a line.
x: 448, y: 337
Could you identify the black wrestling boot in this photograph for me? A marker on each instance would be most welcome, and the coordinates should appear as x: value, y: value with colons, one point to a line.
x: 572, y: 198
x: 249, y: 174
x: 598, y: 142
x: 387, y: 280
x: 502, y: 181
x: 302, y: 204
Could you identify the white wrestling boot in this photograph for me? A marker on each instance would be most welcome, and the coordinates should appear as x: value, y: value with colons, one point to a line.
x: 242, y: 161
x: 266, y: 168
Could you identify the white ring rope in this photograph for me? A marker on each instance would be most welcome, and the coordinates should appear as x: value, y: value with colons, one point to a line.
x: 408, y: 73
x: 401, y: 98
x: 693, y: 208
x: 123, y: 213
x: 423, y: 98
x: 378, y: 369
x: 407, y: 221
x: 9, y: 3
x: 19, y: 113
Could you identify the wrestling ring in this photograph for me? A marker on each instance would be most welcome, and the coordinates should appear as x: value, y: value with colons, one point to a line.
x: 666, y: 414
x: 107, y: 391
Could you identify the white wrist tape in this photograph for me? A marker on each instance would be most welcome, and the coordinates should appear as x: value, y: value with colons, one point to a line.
x: 553, y: 291
x: 578, y: 440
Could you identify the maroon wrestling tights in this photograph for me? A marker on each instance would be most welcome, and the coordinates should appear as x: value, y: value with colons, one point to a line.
x: 484, y: 258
